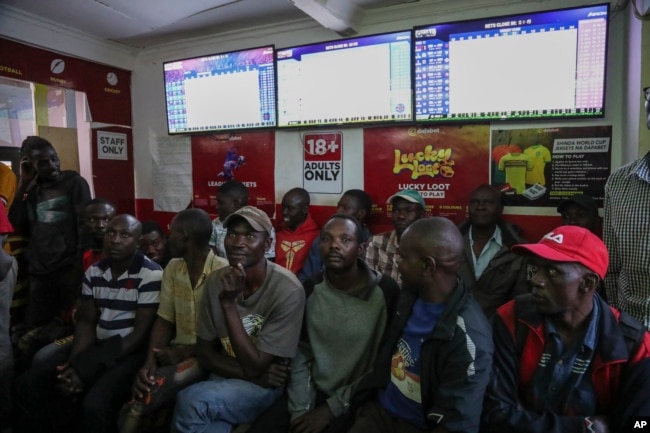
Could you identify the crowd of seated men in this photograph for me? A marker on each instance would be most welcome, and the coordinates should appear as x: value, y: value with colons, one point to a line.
x: 237, y: 324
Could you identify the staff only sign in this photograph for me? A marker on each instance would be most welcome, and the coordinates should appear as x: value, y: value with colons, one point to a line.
x: 323, y: 162
x: 111, y: 145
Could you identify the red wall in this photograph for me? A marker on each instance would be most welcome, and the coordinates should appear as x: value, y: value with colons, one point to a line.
x: 533, y: 227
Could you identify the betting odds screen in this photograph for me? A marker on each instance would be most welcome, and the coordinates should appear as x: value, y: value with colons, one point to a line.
x: 351, y: 81
x: 530, y: 66
x: 225, y: 91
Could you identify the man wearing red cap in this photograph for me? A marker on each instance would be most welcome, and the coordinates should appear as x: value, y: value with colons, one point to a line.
x: 564, y: 360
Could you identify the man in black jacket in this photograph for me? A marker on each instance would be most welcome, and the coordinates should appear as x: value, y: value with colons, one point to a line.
x: 492, y: 272
x: 564, y: 360
x: 48, y: 207
x: 433, y: 367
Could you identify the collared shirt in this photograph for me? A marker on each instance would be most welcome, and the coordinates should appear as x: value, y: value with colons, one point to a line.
x: 626, y: 232
x: 219, y: 234
x: 382, y: 255
x: 563, y: 371
x: 119, y: 296
x: 179, y: 301
x: 490, y: 250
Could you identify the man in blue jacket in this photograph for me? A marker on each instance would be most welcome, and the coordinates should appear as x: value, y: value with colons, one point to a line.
x: 432, y: 370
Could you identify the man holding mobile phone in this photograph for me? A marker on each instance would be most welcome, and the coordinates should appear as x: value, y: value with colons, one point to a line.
x: 47, y: 208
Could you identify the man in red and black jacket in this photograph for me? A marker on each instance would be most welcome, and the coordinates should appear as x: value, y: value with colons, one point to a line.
x: 564, y: 360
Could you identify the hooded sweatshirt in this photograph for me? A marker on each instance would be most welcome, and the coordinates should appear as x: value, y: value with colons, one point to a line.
x: 292, y: 246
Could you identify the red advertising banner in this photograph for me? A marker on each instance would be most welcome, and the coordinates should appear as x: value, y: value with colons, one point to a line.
x: 108, y: 88
x: 247, y: 157
x: 444, y: 164
x: 323, y: 162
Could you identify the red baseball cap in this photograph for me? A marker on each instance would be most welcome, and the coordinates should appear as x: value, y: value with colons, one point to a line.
x: 570, y: 244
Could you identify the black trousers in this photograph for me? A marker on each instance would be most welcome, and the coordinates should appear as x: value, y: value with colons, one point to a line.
x: 40, y: 407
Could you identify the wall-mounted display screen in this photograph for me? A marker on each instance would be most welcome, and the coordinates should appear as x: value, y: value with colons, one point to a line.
x: 360, y: 80
x: 546, y: 65
x: 225, y: 91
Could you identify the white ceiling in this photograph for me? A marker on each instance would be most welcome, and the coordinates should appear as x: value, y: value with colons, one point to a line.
x: 143, y: 23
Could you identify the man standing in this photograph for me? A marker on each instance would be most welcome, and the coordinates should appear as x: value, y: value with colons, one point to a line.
x: 296, y: 232
x: 118, y: 305
x: 48, y: 206
x: 564, y: 360
x: 353, y: 202
x: 490, y: 270
x: 626, y: 232
x: 381, y: 254
x: 171, y: 364
x: 250, y: 318
x: 435, y: 359
x: 96, y: 215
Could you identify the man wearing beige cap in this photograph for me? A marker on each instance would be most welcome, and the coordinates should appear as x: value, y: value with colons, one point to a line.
x: 248, y: 326
x: 564, y: 360
x: 381, y: 254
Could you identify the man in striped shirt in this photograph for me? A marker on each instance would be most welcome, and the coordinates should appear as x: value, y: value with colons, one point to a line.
x: 119, y: 299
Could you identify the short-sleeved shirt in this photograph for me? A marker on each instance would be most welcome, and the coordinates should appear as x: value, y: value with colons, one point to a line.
x: 179, y: 301
x: 516, y: 165
x: 272, y: 316
x: 118, y: 297
x: 540, y: 155
x: 8, y: 183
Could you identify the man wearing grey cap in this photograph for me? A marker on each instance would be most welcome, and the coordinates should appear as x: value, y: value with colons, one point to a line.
x: 381, y: 254
x: 247, y: 328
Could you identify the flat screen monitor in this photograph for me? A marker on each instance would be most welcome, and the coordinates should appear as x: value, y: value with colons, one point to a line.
x: 226, y: 91
x: 544, y: 65
x: 353, y: 81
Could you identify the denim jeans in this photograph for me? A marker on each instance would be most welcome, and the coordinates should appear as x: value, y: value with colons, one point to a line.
x: 215, y: 405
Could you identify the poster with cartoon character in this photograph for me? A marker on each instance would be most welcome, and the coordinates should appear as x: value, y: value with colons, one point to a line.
x: 247, y: 157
